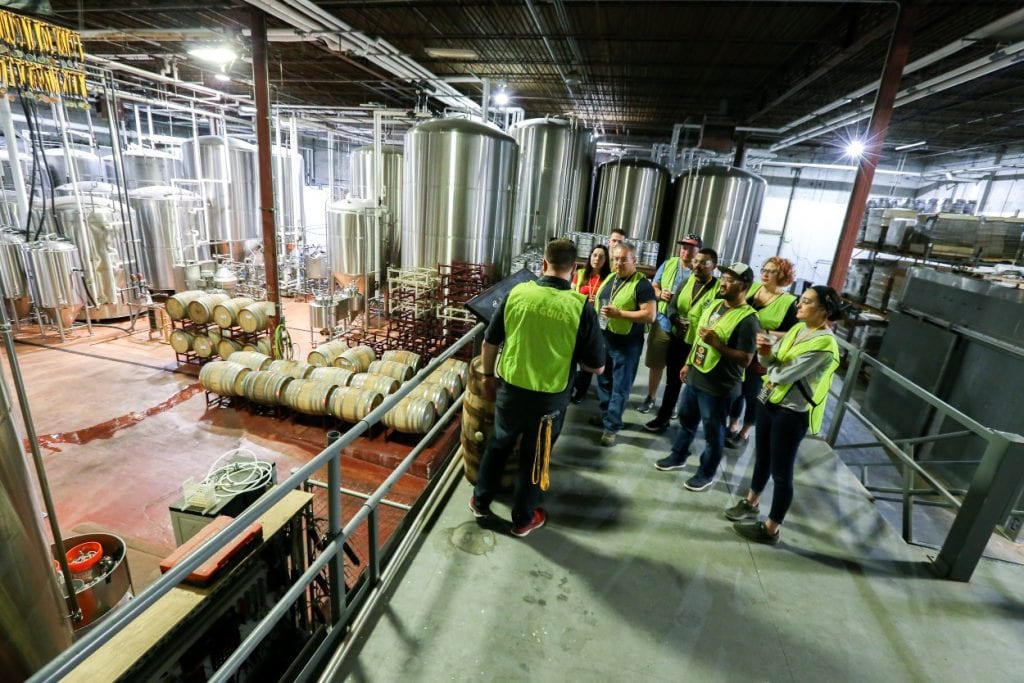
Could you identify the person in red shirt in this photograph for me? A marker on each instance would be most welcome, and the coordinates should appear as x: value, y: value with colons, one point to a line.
x: 587, y: 281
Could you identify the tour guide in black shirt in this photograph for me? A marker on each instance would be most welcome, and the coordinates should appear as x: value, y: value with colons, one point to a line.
x: 546, y: 328
x: 726, y: 341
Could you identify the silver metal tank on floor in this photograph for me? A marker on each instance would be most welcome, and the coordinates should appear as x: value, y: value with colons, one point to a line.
x: 13, y: 282
x: 289, y: 178
x: 33, y: 628
x: 459, y: 187
x: 349, y: 224
x: 169, y: 224
x: 722, y: 204
x: 630, y: 197
x: 88, y: 166
x: 392, y: 160
x: 227, y: 167
x: 144, y: 167
x: 53, y: 262
x: 556, y: 160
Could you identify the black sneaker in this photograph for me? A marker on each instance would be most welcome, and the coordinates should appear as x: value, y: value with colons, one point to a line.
x: 646, y: 406
x: 671, y: 462
x: 478, y: 511
x: 577, y: 398
x: 536, y: 522
x: 734, y: 440
x: 742, y: 510
x: 698, y: 483
x: 657, y: 426
x: 756, y: 532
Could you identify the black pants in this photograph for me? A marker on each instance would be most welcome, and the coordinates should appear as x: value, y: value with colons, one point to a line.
x: 678, y: 350
x: 752, y: 383
x: 514, y: 416
x: 778, y: 437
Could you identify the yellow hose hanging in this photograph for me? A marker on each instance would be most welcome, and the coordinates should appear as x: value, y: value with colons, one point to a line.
x: 542, y: 453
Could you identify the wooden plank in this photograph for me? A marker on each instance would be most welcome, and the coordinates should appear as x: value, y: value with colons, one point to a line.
x: 121, y: 652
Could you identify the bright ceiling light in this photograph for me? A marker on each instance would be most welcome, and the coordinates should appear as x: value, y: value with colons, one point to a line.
x: 222, y: 77
x: 855, y: 149
x: 501, y: 98
x: 215, y: 54
x: 450, y: 53
x: 912, y: 145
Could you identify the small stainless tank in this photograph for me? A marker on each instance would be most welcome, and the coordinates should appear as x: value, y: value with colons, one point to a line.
x: 13, y: 284
x: 349, y: 224
x: 630, y: 197
x: 459, y: 186
x: 362, y: 187
x: 169, y: 224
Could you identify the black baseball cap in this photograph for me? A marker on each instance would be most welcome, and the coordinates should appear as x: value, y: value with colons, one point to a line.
x: 692, y: 239
x: 740, y: 271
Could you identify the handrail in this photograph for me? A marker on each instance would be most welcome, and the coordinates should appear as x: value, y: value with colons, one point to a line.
x: 66, y: 661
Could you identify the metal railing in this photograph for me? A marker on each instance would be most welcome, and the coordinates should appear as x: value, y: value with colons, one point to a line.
x: 994, y: 487
x: 330, y: 556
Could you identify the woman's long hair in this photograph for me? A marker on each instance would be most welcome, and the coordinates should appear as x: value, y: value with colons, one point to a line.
x: 606, y: 269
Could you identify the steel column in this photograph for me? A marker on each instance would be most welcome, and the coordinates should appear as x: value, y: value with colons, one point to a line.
x: 899, y: 49
x: 258, y: 25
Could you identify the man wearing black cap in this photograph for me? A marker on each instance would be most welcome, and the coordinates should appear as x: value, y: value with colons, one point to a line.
x: 667, y: 282
x: 726, y: 341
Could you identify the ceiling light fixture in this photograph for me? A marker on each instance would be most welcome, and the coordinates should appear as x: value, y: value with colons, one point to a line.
x: 912, y: 145
x: 450, y: 53
x: 855, y: 149
x: 215, y: 54
x: 222, y: 77
x: 501, y: 98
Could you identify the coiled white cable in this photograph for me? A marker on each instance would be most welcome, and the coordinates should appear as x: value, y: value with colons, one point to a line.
x: 238, y: 477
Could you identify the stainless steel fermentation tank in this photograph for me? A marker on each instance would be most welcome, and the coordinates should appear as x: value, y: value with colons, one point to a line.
x: 353, y: 240
x: 145, y: 167
x: 33, y: 627
x: 392, y: 161
x: 722, y: 204
x: 630, y: 197
x: 459, y: 187
x: 226, y: 169
x: 53, y: 264
x: 556, y: 160
x: 169, y: 223
x: 87, y: 166
x: 13, y: 281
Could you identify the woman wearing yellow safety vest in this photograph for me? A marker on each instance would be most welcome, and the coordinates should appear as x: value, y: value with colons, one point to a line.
x: 587, y: 282
x: 776, y: 311
x: 800, y: 366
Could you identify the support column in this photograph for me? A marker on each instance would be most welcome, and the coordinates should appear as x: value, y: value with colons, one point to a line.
x: 899, y: 49
x: 260, y: 80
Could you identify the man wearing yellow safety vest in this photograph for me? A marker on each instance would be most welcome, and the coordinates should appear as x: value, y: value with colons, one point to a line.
x: 696, y: 294
x: 668, y: 281
x: 725, y: 344
x: 546, y: 328
x: 626, y: 304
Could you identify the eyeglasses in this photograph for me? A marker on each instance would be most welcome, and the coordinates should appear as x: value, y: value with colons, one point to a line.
x: 620, y: 259
x: 770, y: 271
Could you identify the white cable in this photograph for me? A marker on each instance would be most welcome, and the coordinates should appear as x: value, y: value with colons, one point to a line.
x: 238, y: 477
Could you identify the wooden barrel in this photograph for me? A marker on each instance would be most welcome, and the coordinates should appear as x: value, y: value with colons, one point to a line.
x: 411, y: 416
x: 401, y: 356
x: 326, y: 354
x: 223, y: 377
x: 292, y: 368
x: 226, y: 347
x: 308, y: 396
x: 356, y: 359
x: 434, y: 393
x: 177, y: 304
x: 265, y: 388
x: 204, y: 346
x: 459, y: 366
x: 200, y: 309
x: 477, y: 426
x: 261, y: 346
x: 181, y: 341
x: 256, y: 316
x: 352, y: 405
x: 251, y: 359
x: 391, y: 368
x: 380, y: 383
x: 447, y: 378
x: 225, y: 314
x: 335, y: 376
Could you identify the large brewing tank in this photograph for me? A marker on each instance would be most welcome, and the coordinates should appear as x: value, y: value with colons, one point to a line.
x: 13, y: 283
x: 392, y: 161
x: 169, y: 225
x: 96, y: 225
x: 722, y: 204
x: 53, y: 263
x: 88, y: 166
x: 230, y: 184
x: 459, y: 185
x: 556, y: 160
x: 349, y: 224
x: 630, y: 197
x: 33, y: 629
x: 144, y: 167
x: 289, y: 178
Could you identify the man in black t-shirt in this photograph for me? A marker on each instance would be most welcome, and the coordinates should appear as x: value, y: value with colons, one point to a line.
x: 725, y: 344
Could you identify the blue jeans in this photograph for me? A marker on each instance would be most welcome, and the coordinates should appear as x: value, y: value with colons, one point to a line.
x: 698, y: 407
x: 512, y: 418
x: 614, y: 385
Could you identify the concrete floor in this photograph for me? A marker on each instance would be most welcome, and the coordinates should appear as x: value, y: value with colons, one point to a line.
x: 635, y: 578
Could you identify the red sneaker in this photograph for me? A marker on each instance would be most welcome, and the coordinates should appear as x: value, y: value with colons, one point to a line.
x: 536, y: 522
x: 478, y: 511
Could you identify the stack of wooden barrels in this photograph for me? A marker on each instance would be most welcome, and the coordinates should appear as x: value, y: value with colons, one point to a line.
x: 477, y: 427
x: 236, y: 324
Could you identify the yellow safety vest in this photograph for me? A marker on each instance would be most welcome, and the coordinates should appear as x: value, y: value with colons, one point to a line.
x: 668, y: 279
x: 788, y: 350
x: 693, y: 309
x: 623, y: 298
x: 705, y: 357
x: 772, y: 315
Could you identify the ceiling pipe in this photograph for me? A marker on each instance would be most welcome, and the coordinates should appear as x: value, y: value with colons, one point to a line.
x: 838, y: 167
x: 539, y: 25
